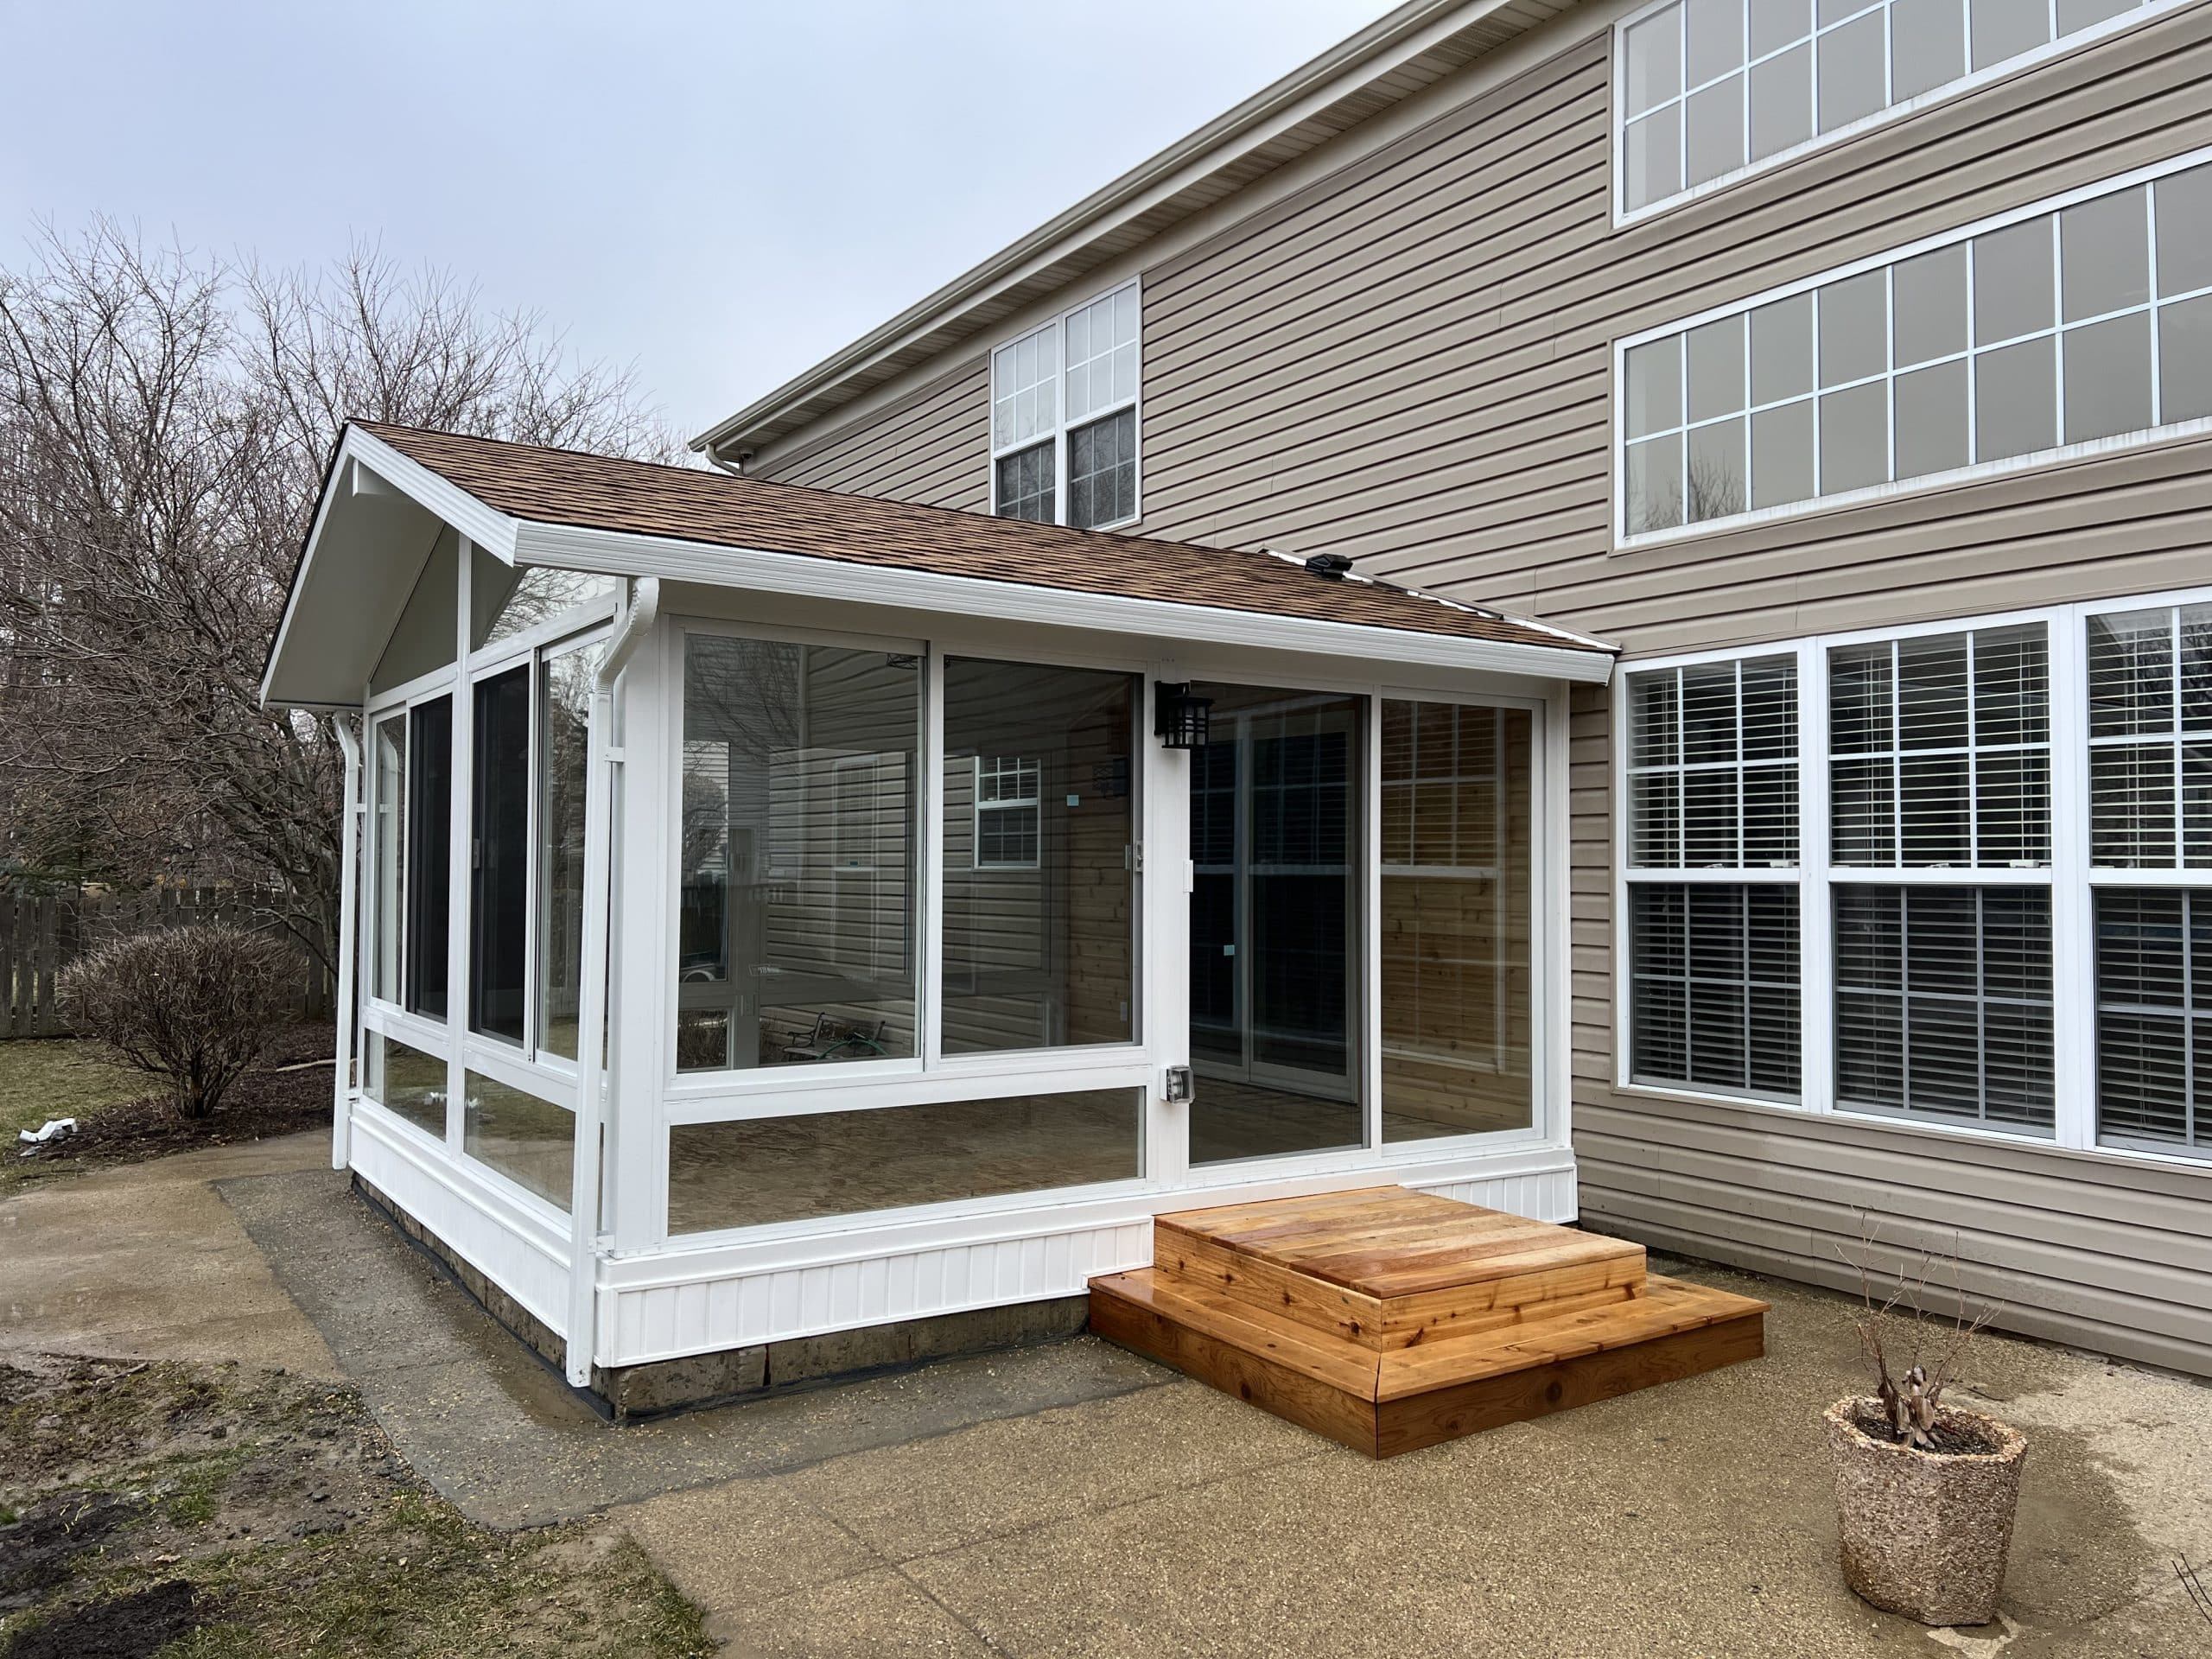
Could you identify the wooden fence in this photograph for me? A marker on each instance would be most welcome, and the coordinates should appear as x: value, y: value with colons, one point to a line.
x: 40, y: 934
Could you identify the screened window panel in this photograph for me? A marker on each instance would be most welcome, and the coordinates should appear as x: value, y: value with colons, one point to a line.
x: 1713, y: 765
x: 1943, y: 1003
x: 2154, y: 1018
x: 1713, y: 993
x: 2150, y: 676
x: 1940, y: 750
x: 1103, y: 471
x: 1027, y: 483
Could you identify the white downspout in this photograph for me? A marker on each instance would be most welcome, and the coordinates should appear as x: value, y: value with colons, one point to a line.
x: 602, y: 759
x: 349, y: 818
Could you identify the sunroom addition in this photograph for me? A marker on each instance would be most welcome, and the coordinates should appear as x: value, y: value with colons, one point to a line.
x: 776, y: 912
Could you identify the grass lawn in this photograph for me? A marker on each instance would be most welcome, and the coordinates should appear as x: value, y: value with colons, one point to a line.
x: 58, y: 1077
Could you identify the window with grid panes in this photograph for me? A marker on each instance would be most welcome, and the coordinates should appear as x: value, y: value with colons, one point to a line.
x: 1712, y: 765
x: 2150, y: 738
x: 2154, y: 1019
x: 1063, y: 417
x: 1712, y: 987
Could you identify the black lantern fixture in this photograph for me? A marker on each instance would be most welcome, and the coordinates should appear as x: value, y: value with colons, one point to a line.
x: 1180, y: 720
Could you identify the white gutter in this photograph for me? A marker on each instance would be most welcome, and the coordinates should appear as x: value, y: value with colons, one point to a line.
x: 351, y: 824
x: 602, y: 760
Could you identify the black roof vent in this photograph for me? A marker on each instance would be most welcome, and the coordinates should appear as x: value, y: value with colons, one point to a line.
x: 1334, y: 566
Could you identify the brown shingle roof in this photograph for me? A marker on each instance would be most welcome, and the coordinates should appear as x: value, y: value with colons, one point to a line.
x: 561, y: 487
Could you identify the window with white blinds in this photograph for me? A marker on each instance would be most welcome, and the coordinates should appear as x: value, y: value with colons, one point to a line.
x: 1713, y: 765
x: 1939, y: 748
x: 1943, y: 1003
x: 2150, y: 676
x: 2154, y: 1019
x: 1714, y: 987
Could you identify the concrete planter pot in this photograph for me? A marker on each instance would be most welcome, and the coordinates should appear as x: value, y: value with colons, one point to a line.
x: 1925, y: 1533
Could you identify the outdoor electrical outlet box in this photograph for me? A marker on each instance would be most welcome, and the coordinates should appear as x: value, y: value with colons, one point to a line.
x: 1178, y: 1083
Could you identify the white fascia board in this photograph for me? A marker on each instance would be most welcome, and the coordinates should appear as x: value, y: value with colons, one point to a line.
x: 488, y: 527
x: 620, y: 553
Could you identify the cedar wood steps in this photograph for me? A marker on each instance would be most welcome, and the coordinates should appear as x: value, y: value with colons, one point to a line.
x: 1389, y: 1319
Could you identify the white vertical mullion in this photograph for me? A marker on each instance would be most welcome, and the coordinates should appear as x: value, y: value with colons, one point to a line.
x: 2151, y: 287
x: 2173, y: 636
x: 2072, y: 917
x: 461, y: 881
x: 1164, y: 978
x: 1370, y: 930
x: 1815, y: 946
x: 1552, y: 967
x: 533, y: 834
x: 644, y: 887
x: 929, y: 970
x: 2058, y: 332
x: 1618, y: 699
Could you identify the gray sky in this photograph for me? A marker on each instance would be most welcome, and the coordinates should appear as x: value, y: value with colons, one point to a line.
x: 719, y: 193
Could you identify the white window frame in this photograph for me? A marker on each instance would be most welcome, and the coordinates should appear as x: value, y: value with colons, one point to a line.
x: 2072, y: 880
x: 1625, y: 541
x: 1973, y: 80
x: 1055, y: 327
x: 1032, y: 803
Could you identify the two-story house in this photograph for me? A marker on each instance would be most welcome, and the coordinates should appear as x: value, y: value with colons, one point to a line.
x: 981, y: 884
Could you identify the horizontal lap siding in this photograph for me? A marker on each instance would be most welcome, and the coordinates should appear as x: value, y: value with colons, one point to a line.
x: 933, y: 448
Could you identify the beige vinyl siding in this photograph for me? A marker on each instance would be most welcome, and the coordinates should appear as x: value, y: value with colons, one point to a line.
x: 932, y: 447
x: 1410, y: 361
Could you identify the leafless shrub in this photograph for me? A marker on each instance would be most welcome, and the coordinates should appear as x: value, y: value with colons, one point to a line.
x: 194, y: 1006
x: 1933, y: 1344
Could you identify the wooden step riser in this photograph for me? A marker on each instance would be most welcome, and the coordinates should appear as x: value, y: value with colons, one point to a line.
x: 1384, y: 1323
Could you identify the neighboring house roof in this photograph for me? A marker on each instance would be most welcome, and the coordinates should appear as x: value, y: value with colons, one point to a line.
x: 564, y: 488
x: 1385, y: 63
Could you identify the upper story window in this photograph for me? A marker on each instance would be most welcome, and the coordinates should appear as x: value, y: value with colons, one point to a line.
x: 2027, y: 339
x: 1063, y: 417
x: 1711, y: 90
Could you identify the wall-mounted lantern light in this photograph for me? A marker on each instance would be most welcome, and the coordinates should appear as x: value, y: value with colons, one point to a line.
x: 1180, y: 720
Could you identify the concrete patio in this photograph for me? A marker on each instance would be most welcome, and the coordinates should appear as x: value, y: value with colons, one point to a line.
x: 1074, y: 1500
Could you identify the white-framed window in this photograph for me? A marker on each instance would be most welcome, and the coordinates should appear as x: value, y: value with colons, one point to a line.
x: 1008, y: 824
x: 1063, y: 417
x: 2062, y: 330
x: 1710, y: 91
x: 1995, y: 916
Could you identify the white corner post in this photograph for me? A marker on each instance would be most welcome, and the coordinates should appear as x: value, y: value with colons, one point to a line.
x: 602, y: 759
x: 349, y: 831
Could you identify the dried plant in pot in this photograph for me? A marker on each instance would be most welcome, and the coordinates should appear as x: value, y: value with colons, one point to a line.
x: 1925, y: 1492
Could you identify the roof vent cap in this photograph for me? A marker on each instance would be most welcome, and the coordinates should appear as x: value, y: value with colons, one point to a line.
x: 1332, y: 566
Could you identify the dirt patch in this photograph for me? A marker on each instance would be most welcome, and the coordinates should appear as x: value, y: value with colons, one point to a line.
x: 287, y: 1092
x: 257, y: 1513
x: 1954, y: 1436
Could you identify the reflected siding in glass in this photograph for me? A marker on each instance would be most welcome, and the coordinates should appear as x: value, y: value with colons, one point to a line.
x: 1456, y: 918
x: 406, y: 1083
x: 564, y: 728
x: 530, y: 1141
x: 761, y: 1170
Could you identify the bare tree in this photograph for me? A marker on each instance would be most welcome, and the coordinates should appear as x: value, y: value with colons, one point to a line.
x: 165, y: 420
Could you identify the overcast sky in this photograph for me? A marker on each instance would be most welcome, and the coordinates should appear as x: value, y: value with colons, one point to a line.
x: 720, y: 194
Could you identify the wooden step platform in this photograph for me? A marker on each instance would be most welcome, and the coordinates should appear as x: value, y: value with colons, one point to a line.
x: 1390, y: 1320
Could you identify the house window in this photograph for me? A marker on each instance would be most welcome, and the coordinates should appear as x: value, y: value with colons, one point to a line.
x: 1712, y: 89
x: 2154, y: 1019
x: 1007, y: 821
x: 2150, y: 738
x: 1712, y: 765
x: 2083, y: 322
x: 1063, y: 417
x: 1713, y: 986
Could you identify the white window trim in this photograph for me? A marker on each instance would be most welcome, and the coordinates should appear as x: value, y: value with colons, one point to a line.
x: 1056, y: 326
x: 1973, y: 80
x: 1033, y: 802
x: 1927, y: 483
x: 2072, y: 880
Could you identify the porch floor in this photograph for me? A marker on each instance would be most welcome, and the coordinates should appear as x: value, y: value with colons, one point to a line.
x: 1389, y: 1320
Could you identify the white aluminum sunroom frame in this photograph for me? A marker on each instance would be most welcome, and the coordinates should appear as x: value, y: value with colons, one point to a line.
x: 607, y: 1277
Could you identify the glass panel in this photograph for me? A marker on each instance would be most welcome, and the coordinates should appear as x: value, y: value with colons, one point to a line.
x: 1714, y: 30
x: 530, y: 1141
x: 1716, y: 368
x: 2104, y: 255
x: 1931, y: 420
x: 1928, y: 45
x: 1931, y: 306
x: 2154, y: 949
x: 1776, y: 23
x: 499, y: 884
x: 2185, y: 360
x: 1716, y: 458
x: 2012, y: 282
x: 1654, y: 60
x: 1275, y: 924
x: 2184, y: 210
x: 430, y: 854
x: 1655, y: 485
x: 503, y: 601
x: 1782, y: 101
x: 1039, y: 901
x: 564, y: 725
x: 1715, y: 128
x: 1854, y: 438
x: 2015, y: 395
x: 2108, y: 378
x: 2131, y: 806
x: 1781, y: 350
x: 2130, y: 673
x: 1782, y: 454
x: 1103, y: 471
x: 2081, y: 14
x: 797, y: 910
x: 2004, y: 28
x: 387, y: 853
x: 1854, y: 328
x: 425, y: 636
x: 1653, y: 160
x: 1712, y: 1000
x: 761, y: 1170
x: 1655, y: 386
x: 406, y: 1082
x: 1026, y: 485
x: 1853, y: 78
x: 1457, y: 911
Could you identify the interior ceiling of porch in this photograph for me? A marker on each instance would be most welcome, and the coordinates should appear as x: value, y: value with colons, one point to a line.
x: 390, y: 486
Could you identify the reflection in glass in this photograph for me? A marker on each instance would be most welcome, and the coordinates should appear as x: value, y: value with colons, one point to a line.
x: 564, y: 723
x: 1039, y: 881
x: 1716, y: 470
x: 428, y: 890
x: 500, y: 883
x: 506, y: 601
x: 405, y: 1082
x: 387, y: 854
x: 1456, y: 920
x: 761, y: 1170
x: 1654, y: 483
x: 797, y: 878
x: 530, y: 1141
